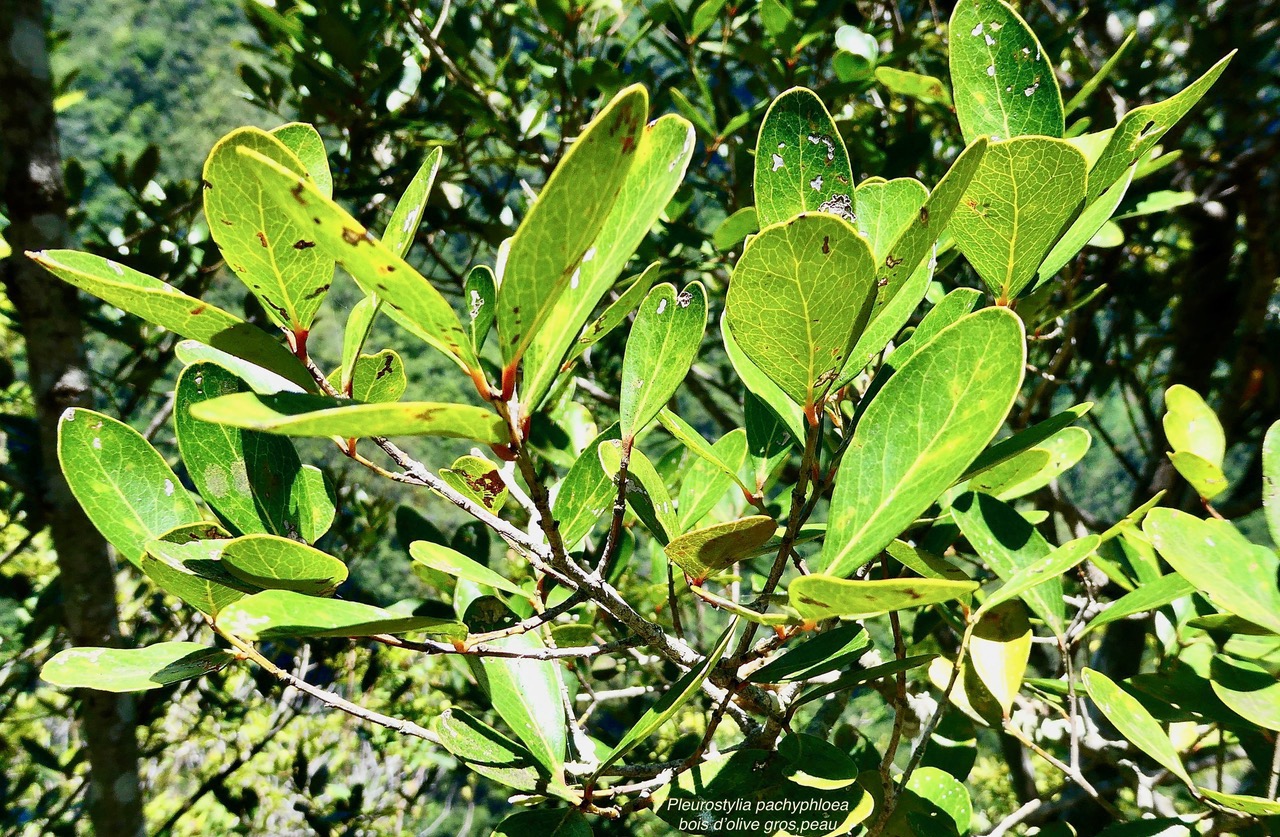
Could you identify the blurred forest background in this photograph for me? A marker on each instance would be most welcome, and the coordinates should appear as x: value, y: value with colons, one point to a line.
x: 143, y: 88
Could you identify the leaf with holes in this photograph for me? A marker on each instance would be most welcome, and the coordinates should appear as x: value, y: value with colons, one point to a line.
x: 374, y: 379
x: 273, y: 614
x: 1025, y: 193
x: 273, y: 253
x: 662, y: 345
x: 801, y: 161
x: 799, y: 299
x: 706, y: 551
x: 1004, y: 83
x: 123, y: 484
x: 477, y: 479
x: 132, y: 669
x: 922, y: 429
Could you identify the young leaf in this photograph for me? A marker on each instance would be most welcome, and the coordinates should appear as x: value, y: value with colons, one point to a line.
x: 817, y: 597
x: 373, y: 379
x: 308, y: 146
x: 616, y: 314
x: 359, y: 324
x: 801, y: 161
x: 735, y: 228
x: 454, y: 563
x: 377, y: 269
x: 1015, y: 209
x: 1254, y: 806
x: 494, y: 756
x: 835, y: 649
x: 998, y: 652
x: 271, y: 252
x: 554, y: 238
x: 477, y: 479
x: 666, y: 146
x: 798, y: 300
x: 679, y: 694
x: 702, y: 552
x: 165, y: 306
x: 132, y: 669
x: 1133, y: 721
x: 526, y: 694
x: 663, y: 343
x: 274, y: 563
x: 1237, y: 576
x: 123, y: 484
x: 404, y: 222
x: 293, y: 414
x: 1248, y: 689
x: 1142, y: 127
x: 273, y: 614
x: 1197, y: 439
x: 1004, y: 84
x: 685, y: 434
x: 1271, y: 480
x: 923, y: 428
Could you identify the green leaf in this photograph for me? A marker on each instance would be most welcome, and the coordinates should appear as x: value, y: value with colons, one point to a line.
x: 1008, y: 544
x: 1254, y: 806
x: 481, y: 291
x: 924, y: 427
x: 851, y: 679
x: 924, y: 563
x: 308, y: 146
x: 1156, y: 202
x: 647, y: 494
x: 274, y: 254
x: 999, y: 649
x: 1036, y: 467
x: 1206, y: 478
x: 478, y: 479
x: 1004, y: 84
x: 415, y: 304
x: 662, y: 345
x: 132, y: 669
x: 193, y: 571
x: 255, y: 481
x: 586, y: 493
x: 801, y: 161
x: 561, y: 226
x: 886, y: 208
x: 816, y: 763
x: 1190, y: 425
x: 1235, y: 575
x: 1086, y: 90
x: 1128, y: 716
x: 404, y: 222
x: 1249, y: 690
x: 1149, y: 596
x: 546, y: 822
x: 677, y: 696
x: 838, y: 648
x: 721, y: 460
x: 707, y: 12
x: 1084, y: 230
x: 759, y: 384
x: 1015, y: 209
x: 706, y: 551
x: 914, y: 85
x: 295, y: 414
x: 956, y: 304
x: 1025, y: 440
x: 821, y: 597
x: 494, y: 756
x: 124, y: 486
x: 707, y: 480
x: 259, y: 380
x: 1033, y: 575
x: 933, y: 794
x: 1271, y: 480
x: 454, y: 563
x: 166, y: 306
x: 657, y: 168
x: 1228, y: 623
x: 1141, y: 128
x: 284, y: 613
x: 275, y: 563
x: 526, y: 695
x: 374, y: 379
x: 616, y: 314
x: 798, y: 301
x: 735, y: 228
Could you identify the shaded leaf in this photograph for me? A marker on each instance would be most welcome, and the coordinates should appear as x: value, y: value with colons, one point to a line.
x: 546, y: 822
x: 914, y: 85
x: 491, y: 754
x: 647, y: 494
x: 837, y: 648
x: 706, y: 551
x: 1249, y: 690
x: 707, y: 481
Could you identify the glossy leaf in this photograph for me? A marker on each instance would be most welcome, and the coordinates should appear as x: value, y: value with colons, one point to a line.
x: 494, y: 756
x: 663, y: 342
x: 1051, y: 566
x: 193, y: 571
x: 481, y: 292
x: 166, y: 306
x: 272, y: 614
x: 259, y: 380
x: 454, y: 563
x: 1271, y: 480
x: 936, y: 802
x: 291, y: 414
x: 1205, y: 477
x: 1133, y: 721
x: 308, y: 146
x: 1015, y: 209
x: 586, y: 494
x: 407, y: 216
x: 132, y: 669
x: 1197, y: 439
x: 885, y: 208
x: 478, y: 479
x: 998, y: 651
x: 1255, y: 806
x: 1149, y: 596
x: 275, y: 563
x: 801, y: 161
x: 1235, y: 575
x: 374, y: 379
x: 1025, y: 440
x: 1035, y: 467
x: 798, y: 300
x: 553, y: 239
x: 922, y: 430
x: 1249, y: 690
x: 815, y: 763
x: 822, y: 597
x: 526, y: 695
x: 851, y: 679
x: 123, y: 484
x: 657, y: 168
x: 617, y: 312
x: 273, y: 253
x: 956, y: 304
x: 923, y: 562
x: 834, y: 649
x: 704, y: 552
x: 1090, y: 223
x: 1004, y: 84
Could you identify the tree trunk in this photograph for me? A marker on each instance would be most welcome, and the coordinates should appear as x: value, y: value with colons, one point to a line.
x: 31, y: 190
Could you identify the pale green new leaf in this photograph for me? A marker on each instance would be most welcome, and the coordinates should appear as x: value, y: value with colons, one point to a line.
x: 1024, y: 440
x: 616, y: 314
x: 273, y: 253
x: 999, y: 649
x: 284, y: 613
x: 1255, y: 806
x: 404, y: 222
x: 662, y: 345
x: 1036, y: 467
x: 359, y: 324
x: 1004, y: 84
x: 454, y: 563
x: 720, y: 459
x: 1025, y: 193
x: 818, y: 597
x: 885, y: 208
x: 921, y: 431
x: 123, y: 484
x: 1133, y: 721
x: 296, y: 414
x: 799, y: 298
x: 132, y: 669
x: 801, y: 161
x: 1191, y: 426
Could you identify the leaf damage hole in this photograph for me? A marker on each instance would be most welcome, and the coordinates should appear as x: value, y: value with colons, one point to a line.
x: 303, y: 244
x: 777, y: 162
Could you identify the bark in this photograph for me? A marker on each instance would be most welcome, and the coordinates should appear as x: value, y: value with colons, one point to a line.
x: 31, y: 190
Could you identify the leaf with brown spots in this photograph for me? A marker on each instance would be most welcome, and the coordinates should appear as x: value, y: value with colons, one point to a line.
x: 477, y: 478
